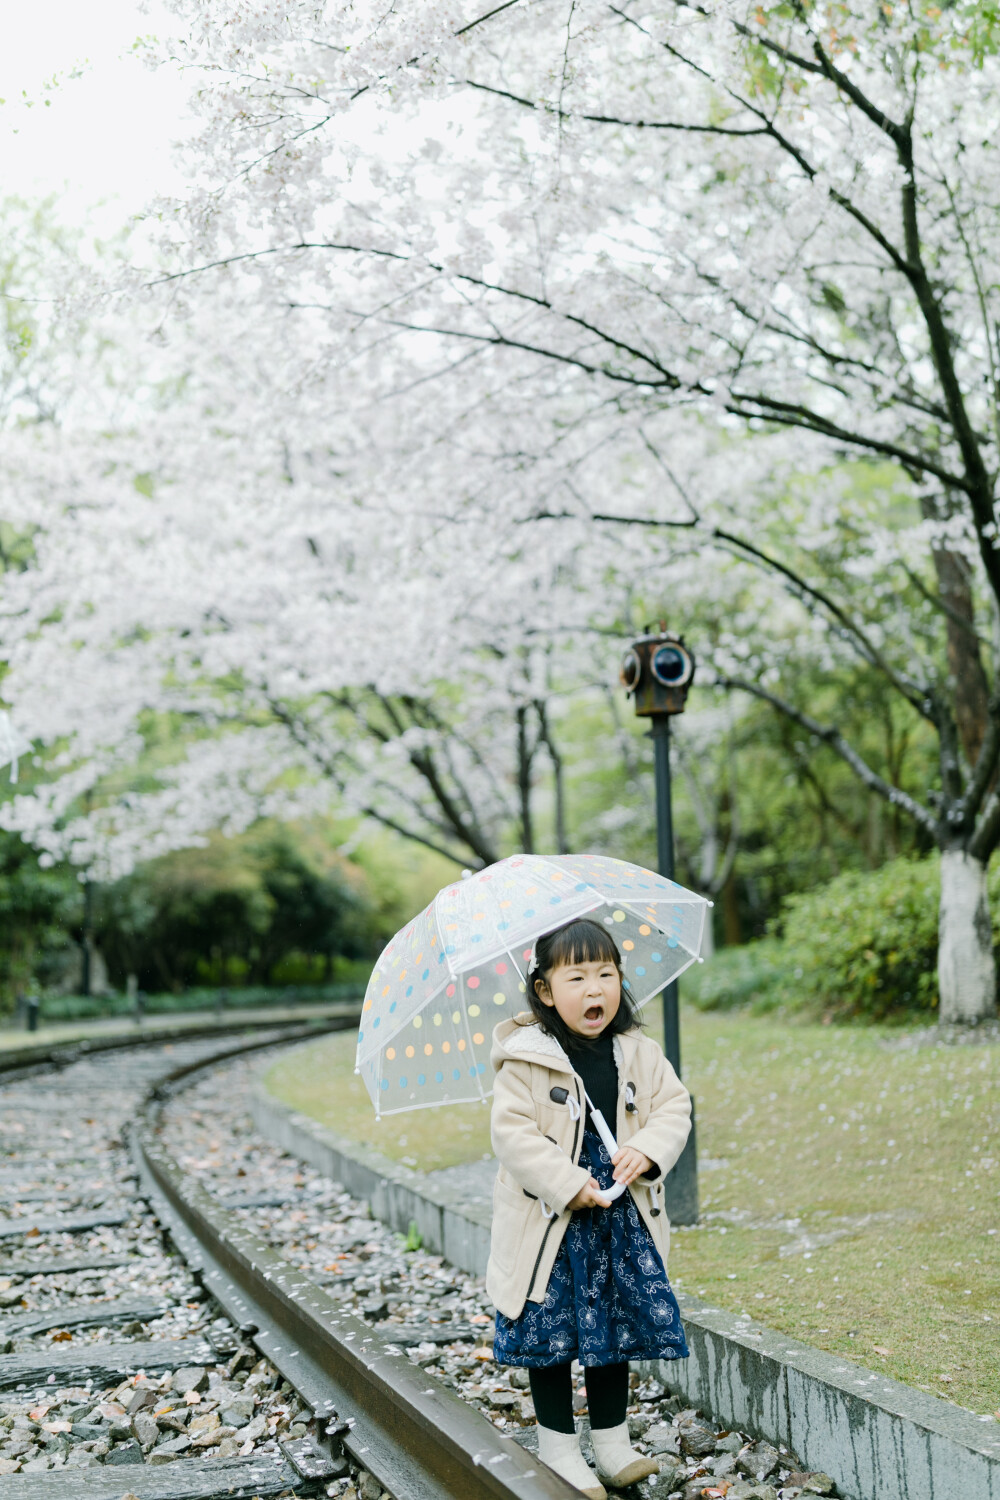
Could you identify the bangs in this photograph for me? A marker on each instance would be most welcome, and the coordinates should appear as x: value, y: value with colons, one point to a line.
x: 579, y: 942
x: 582, y: 942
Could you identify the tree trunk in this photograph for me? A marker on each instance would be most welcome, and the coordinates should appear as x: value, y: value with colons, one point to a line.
x: 965, y: 663
x: 87, y: 979
x: 732, y: 927
x: 970, y: 690
x: 524, y: 759
x: 558, y: 775
x: 967, y: 978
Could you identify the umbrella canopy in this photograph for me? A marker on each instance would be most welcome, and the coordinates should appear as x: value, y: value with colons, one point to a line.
x: 448, y: 978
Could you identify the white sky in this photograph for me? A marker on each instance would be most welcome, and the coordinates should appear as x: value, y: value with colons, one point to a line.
x: 105, y: 136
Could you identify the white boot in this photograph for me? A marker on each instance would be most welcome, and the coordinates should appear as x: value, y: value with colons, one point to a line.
x: 561, y: 1451
x: 618, y: 1464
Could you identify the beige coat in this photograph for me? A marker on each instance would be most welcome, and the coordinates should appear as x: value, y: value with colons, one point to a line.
x: 537, y: 1130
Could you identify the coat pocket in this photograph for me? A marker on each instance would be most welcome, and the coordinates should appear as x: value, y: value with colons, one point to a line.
x: 512, y: 1210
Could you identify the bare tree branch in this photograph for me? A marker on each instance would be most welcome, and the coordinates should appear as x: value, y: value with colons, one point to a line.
x: 306, y: 742
x: 919, y: 695
x: 987, y: 836
x: 567, y: 114
x: 836, y: 741
x: 944, y: 607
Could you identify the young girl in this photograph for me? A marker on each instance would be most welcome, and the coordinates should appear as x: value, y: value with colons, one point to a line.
x: 572, y: 1274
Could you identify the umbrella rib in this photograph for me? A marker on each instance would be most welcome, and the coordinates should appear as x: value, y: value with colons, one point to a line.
x: 470, y: 907
x: 444, y: 945
x: 522, y: 972
x: 701, y: 904
x: 464, y: 1012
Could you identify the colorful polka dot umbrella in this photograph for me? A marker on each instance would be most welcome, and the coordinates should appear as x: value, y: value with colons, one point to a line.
x: 458, y: 968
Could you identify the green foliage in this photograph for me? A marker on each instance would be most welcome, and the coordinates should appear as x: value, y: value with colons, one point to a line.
x: 414, y: 1239
x: 36, y: 908
x: 266, y: 908
x: 742, y: 771
x: 981, y: 28
x: 747, y: 977
x: 91, y: 1007
x: 276, y: 915
x: 956, y: 33
x: 863, y: 947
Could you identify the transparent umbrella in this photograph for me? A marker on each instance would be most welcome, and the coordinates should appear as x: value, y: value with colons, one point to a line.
x: 458, y: 968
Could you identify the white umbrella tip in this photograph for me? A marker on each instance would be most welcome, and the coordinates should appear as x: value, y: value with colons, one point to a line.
x: 466, y: 874
x: 357, y: 1072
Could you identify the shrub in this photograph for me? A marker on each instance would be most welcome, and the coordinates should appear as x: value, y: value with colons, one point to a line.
x: 862, y: 947
x: 258, y: 910
x: 865, y: 945
x: 90, y: 1007
x: 749, y: 976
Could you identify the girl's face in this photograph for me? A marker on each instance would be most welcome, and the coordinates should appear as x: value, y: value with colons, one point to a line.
x: 586, y: 996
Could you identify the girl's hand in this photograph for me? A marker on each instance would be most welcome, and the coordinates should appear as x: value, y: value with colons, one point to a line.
x: 589, y: 1196
x: 629, y: 1165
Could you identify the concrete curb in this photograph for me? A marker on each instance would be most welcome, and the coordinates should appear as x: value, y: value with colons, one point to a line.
x: 877, y: 1438
x: 398, y: 1196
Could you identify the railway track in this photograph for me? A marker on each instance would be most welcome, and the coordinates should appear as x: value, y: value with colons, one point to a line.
x: 153, y: 1346
x: 187, y: 1314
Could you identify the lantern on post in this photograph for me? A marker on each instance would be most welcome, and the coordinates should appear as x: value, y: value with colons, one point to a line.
x: 657, y: 671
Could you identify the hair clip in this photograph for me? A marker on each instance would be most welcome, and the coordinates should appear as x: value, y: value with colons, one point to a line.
x: 533, y: 959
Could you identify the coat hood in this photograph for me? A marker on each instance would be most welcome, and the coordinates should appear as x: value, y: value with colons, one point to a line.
x: 524, y: 1039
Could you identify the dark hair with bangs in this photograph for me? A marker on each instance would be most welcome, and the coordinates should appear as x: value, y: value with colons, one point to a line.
x: 579, y: 942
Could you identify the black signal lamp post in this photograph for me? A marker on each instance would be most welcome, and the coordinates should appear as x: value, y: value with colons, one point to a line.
x: 657, y: 672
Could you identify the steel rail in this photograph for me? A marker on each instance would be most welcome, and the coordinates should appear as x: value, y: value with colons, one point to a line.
x: 298, y: 1469
x: 418, y: 1439
x: 45, y: 1056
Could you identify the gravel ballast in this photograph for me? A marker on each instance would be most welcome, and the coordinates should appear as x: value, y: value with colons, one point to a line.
x: 441, y: 1315
x: 164, y: 1379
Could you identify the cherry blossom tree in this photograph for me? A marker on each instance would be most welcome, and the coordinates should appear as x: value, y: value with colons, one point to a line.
x: 236, y: 635
x: 782, y: 216
x: 497, y: 324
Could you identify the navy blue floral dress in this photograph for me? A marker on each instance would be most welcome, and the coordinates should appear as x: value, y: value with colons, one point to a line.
x: 608, y: 1297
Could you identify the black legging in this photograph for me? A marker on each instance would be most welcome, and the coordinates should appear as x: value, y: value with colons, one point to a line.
x: 607, y: 1395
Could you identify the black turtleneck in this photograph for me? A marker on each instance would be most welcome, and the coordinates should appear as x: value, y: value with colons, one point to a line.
x: 595, y: 1063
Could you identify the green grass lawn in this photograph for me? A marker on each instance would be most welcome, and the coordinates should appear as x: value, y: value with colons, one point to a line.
x: 320, y: 1081
x: 849, y: 1184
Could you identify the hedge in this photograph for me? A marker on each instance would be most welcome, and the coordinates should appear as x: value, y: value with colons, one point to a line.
x: 862, y: 947
x: 90, y: 1007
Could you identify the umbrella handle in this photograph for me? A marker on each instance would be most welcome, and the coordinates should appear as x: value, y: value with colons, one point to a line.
x: 610, y: 1145
x: 601, y: 1126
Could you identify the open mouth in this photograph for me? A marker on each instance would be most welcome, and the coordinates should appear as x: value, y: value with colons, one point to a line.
x: 593, y: 1013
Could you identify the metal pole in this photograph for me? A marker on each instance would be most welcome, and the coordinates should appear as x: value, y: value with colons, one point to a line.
x: 681, y: 1185
x: 665, y: 859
